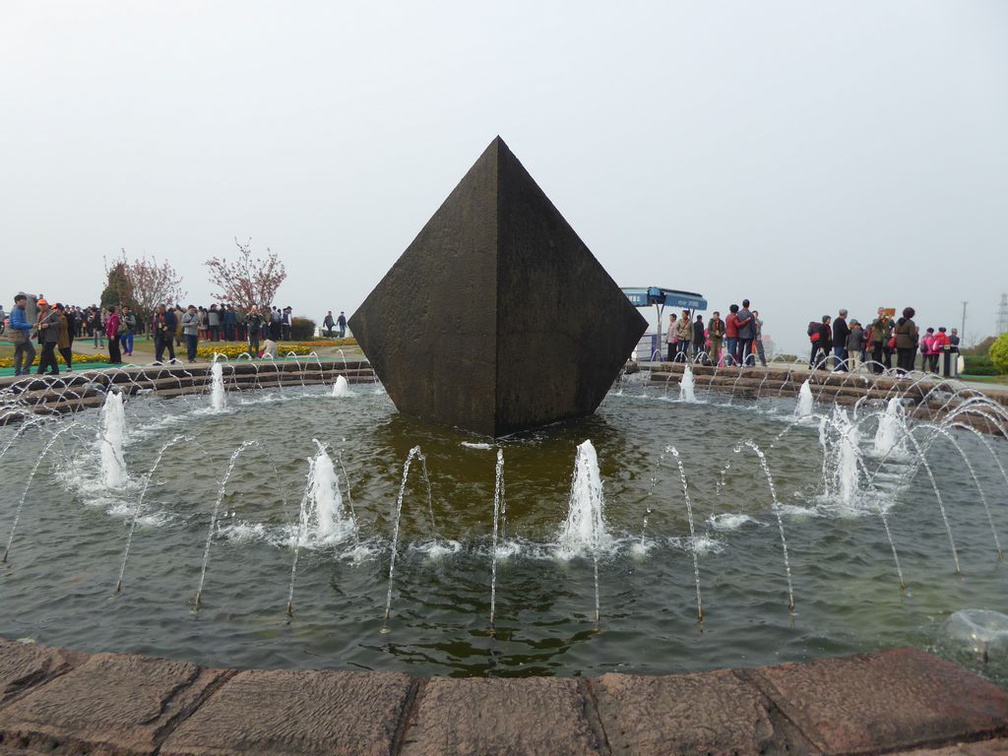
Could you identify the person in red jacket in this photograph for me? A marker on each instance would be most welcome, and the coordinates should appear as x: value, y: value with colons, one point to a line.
x: 112, y: 331
x: 939, y: 345
x: 929, y: 363
x: 731, y: 334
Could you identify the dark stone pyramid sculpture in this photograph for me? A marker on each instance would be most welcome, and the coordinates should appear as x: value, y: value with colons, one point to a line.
x: 497, y: 317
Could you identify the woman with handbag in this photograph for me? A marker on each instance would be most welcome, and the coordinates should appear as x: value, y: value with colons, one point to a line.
x: 112, y: 332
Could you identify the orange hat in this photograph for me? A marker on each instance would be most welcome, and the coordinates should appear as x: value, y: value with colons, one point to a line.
x: 42, y: 303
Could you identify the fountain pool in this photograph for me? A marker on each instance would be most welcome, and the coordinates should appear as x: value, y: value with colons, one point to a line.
x: 855, y: 521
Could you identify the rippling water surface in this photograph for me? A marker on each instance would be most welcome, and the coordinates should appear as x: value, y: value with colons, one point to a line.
x: 58, y: 586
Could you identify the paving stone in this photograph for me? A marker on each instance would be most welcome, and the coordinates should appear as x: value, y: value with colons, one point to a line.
x: 713, y: 712
x: 898, y: 699
x: 296, y: 712
x: 110, y: 704
x: 23, y: 665
x: 996, y: 747
x: 501, y: 716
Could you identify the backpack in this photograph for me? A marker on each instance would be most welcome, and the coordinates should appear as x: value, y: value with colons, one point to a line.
x: 813, y: 330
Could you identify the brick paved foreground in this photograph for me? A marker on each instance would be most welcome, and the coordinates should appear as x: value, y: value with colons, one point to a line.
x: 902, y: 700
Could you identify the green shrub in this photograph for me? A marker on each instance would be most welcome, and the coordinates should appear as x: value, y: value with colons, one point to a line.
x: 302, y: 329
x: 999, y: 353
x: 979, y: 364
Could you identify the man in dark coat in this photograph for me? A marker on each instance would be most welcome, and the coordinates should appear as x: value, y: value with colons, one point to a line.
x: 840, y: 333
x: 163, y: 325
x: 746, y: 334
x: 698, y: 337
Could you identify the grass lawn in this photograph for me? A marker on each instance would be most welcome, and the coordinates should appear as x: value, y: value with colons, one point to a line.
x: 1000, y: 379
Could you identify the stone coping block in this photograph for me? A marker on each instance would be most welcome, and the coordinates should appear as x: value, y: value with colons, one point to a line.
x: 710, y: 712
x: 23, y: 665
x: 902, y: 700
x: 897, y: 699
x: 297, y: 712
x: 112, y: 704
x: 540, y: 715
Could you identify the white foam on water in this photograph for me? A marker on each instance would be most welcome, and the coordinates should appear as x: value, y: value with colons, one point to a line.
x: 436, y: 550
x: 155, y: 520
x: 507, y: 550
x: 702, y: 545
x: 124, y: 509
x: 155, y: 426
x: 365, y: 551
x: 797, y: 511
x: 731, y: 521
x: 248, y: 532
x: 866, y: 504
x: 474, y: 445
x: 639, y: 550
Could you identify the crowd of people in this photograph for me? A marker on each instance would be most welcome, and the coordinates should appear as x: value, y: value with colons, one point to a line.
x: 850, y: 344
x: 840, y: 344
x: 55, y: 328
x: 740, y: 333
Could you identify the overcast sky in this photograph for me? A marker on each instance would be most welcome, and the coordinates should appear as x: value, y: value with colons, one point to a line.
x: 807, y: 155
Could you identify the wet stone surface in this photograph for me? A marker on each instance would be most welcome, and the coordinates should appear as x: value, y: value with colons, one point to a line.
x: 713, y: 712
x: 282, y: 712
x: 501, y: 716
x: 902, y: 698
x: 111, y: 703
x: 23, y: 665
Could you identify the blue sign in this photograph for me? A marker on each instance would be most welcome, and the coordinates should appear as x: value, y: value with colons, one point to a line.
x: 637, y: 297
x: 656, y: 295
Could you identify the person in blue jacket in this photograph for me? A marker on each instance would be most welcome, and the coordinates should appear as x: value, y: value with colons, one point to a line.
x: 21, y: 329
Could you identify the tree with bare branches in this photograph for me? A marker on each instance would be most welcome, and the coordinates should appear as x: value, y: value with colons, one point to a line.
x: 247, y: 280
x: 153, y: 282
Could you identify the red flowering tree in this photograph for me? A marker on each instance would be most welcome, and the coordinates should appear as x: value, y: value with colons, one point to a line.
x: 247, y: 280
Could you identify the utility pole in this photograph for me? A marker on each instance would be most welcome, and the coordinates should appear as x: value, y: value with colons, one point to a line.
x: 1002, y: 322
x: 962, y: 330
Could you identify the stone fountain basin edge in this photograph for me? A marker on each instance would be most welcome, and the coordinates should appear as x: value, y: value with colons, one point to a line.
x: 61, y: 701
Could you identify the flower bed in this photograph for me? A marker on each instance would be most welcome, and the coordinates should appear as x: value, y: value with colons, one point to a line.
x: 329, y: 342
x: 78, y: 359
x: 235, y: 350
